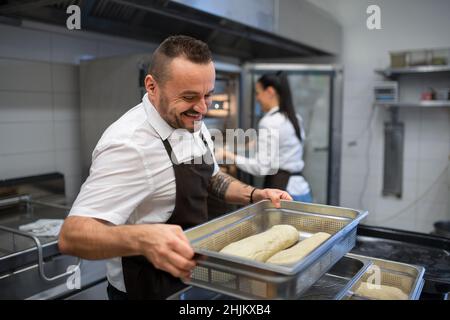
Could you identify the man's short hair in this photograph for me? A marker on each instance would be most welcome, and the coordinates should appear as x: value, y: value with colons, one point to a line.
x: 177, y: 46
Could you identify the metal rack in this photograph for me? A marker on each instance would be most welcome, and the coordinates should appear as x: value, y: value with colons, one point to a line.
x: 394, y: 129
x: 421, y: 104
x: 394, y: 72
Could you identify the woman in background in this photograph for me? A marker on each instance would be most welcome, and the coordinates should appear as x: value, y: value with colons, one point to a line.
x: 273, y: 94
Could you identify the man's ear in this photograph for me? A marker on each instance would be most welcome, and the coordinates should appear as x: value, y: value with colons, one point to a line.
x: 150, y: 85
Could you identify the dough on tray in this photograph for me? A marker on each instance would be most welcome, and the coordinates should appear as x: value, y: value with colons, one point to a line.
x: 262, y: 246
x: 383, y: 292
x: 300, y: 250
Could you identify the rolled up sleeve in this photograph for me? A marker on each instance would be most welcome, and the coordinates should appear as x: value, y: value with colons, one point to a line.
x: 117, y: 184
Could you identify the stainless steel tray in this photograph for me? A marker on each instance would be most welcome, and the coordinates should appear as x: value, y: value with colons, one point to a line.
x: 247, y: 279
x: 406, y: 277
x: 333, y: 285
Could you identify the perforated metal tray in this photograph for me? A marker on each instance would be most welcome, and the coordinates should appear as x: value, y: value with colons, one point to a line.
x: 247, y: 279
x: 333, y: 285
x: 406, y: 277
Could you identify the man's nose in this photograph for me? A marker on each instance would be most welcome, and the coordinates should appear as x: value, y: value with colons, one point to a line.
x: 201, y: 106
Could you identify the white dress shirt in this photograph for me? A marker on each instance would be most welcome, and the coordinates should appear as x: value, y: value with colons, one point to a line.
x: 131, y: 180
x: 288, y: 154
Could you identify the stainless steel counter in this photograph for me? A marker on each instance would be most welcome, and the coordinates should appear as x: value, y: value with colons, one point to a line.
x: 20, y: 274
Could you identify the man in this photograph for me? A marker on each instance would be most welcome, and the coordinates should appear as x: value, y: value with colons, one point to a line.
x: 146, y: 184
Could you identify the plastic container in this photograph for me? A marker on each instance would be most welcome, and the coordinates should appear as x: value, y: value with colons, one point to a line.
x: 440, y: 57
x: 398, y: 59
x: 443, y: 94
x: 418, y: 58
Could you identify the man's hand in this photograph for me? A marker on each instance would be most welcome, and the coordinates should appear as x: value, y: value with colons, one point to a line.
x: 168, y: 249
x: 273, y: 195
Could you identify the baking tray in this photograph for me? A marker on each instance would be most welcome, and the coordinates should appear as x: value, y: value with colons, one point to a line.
x: 429, y: 251
x: 333, y: 285
x: 247, y: 279
x: 406, y: 277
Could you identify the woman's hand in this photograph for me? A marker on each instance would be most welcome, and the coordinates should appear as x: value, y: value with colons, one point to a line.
x: 274, y: 195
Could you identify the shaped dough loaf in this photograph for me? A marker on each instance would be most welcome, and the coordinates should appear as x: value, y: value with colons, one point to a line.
x: 262, y: 246
x: 300, y: 250
x: 382, y: 292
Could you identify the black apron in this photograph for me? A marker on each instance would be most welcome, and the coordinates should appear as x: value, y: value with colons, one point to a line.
x: 279, y: 180
x: 142, y: 279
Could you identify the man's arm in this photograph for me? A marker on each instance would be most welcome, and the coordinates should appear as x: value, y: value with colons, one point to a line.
x: 232, y: 190
x: 164, y: 245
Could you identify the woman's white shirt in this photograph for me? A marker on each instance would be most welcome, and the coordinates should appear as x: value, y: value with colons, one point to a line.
x: 278, y: 148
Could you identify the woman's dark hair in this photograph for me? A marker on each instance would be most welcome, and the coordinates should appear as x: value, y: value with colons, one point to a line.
x: 279, y: 81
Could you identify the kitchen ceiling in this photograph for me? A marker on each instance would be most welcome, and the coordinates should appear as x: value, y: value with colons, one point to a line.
x: 154, y: 20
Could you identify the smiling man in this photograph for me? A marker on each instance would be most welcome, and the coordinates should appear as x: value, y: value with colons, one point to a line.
x: 146, y: 184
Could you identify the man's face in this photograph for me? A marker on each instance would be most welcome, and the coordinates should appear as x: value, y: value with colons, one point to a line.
x: 183, y: 100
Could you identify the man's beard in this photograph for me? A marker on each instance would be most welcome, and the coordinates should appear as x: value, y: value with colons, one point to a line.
x: 172, y: 118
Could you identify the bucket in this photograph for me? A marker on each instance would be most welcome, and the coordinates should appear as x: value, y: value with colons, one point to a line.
x: 442, y: 228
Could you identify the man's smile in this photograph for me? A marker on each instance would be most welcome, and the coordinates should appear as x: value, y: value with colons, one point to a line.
x: 193, y: 115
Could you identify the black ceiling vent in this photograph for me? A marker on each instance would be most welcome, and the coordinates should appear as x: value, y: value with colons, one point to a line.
x: 154, y: 20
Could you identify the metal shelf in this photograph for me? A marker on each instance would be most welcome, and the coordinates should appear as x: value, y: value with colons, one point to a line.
x: 391, y: 72
x: 420, y: 104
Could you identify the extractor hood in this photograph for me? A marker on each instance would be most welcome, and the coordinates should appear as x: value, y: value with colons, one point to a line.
x: 154, y: 20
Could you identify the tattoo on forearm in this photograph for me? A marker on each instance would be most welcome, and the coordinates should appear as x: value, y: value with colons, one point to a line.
x: 220, y: 183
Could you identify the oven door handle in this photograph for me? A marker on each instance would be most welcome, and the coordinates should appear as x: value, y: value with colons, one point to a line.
x: 41, y: 256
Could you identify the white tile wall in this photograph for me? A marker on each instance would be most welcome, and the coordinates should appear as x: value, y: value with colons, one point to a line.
x: 431, y: 170
x: 411, y: 168
x: 68, y: 161
x: 39, y: 97
x: 428, y: 213
x: 65, y: 78
x: 66, y: 106
x: 26, y: 44
x: 118, y: 48
x: 67, y: 49
x: 24, y: 75
x: 434, y: 149
x: 67, y: 135
x: 360, y: 166
x: 26, y: 137
x: 26, y: 106
x: 399, y: 220
x: 26, y: 164
x: 406, y: 24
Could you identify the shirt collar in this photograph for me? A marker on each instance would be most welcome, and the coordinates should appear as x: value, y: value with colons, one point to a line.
x: 160, y: 125
x: 272, y: 111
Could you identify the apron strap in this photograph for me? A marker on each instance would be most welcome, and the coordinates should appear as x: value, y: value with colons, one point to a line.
x: 169, y: 149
